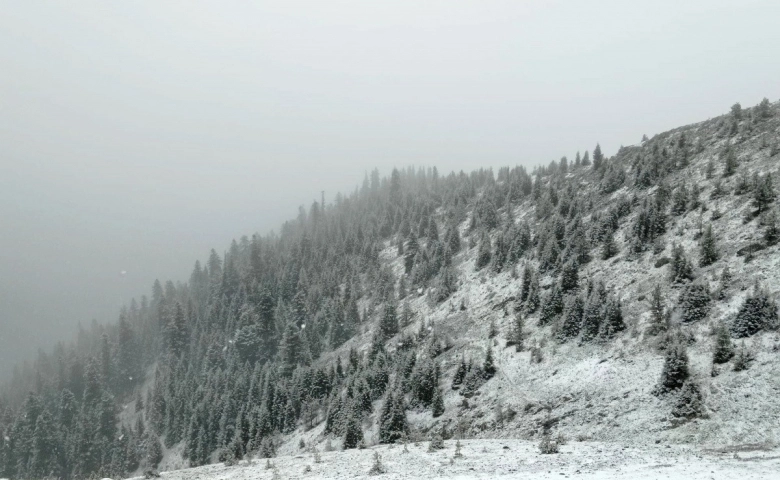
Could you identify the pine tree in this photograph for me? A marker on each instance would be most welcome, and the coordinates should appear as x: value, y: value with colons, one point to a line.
x: 723, y: 349
x: 609, y: 248
x: 153, y: 451
x: 532, y: 302
x: 392, y: 419
x: 736, y: 111
x: 592, y: 317
x: 452, y: 239
x: 572, y: 320
x: 488, y: 366
x: 690, y: 403
x: 484, y: 251
x: 353, y: 430
x: 709, y: 250
x: 333, y: 417
x: 772, y: 232
x: 570, y: 276
x: 756, y: 313
x: 764, y: 193
x: 526, y: 286
x: 460, y: 374
x: 473, y: 380
x: 731, y: 163
x: 763, y: 109
x: 681, y: 269
x: 517, y: 335
x: 45, y: 447
x: 710, y: 171
x: 598, y: 157
x: 177, y: 335
x: 694, y: 302
x: 412, y: 248
x: 658, y: 323
x: 389, y: 322
x: 437, y: 407
x: 290, y: 349
x: 612, y: 319
x: 675, y: 371
x: 552, y: 307
x: 742, y: 359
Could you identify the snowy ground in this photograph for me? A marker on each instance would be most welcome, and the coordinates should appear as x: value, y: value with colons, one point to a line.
x: 513, y: 459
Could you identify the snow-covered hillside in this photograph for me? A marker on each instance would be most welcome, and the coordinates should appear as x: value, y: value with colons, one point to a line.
x: 594, y: 391
x: 603, y: 391
x: 628, y: 304
x: 509, y: 459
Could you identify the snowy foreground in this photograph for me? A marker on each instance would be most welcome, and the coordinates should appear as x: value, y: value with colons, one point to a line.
x: 512, y: 459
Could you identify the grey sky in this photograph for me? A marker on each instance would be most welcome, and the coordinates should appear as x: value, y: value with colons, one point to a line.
x: 137, y: 135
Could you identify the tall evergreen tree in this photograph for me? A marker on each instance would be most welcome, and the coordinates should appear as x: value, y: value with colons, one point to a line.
x: 723, y: 348
x: 389, y: 322
x: 675, y: 371
x: 484, y: 251
x: 709, y: 249
x: 681, y: 269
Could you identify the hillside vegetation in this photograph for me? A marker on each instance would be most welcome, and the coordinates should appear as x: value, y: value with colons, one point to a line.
x: 628, y: 299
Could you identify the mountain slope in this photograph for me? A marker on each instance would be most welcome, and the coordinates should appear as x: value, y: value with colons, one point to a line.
x: 584, y: 299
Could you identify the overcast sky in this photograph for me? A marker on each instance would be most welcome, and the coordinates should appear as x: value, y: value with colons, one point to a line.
x: 138, y: 135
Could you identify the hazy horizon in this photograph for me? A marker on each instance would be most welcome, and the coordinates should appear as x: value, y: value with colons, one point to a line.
x: 138, y: 136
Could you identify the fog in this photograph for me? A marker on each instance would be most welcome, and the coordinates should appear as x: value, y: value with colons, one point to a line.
x: 135, y: 136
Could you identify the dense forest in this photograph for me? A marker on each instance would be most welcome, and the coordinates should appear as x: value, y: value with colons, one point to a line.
x: 262, y: 341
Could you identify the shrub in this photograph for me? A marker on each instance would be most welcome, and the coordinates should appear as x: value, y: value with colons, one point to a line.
x: 436, y: 443
x: 548, y: 445
x: 743, y: 359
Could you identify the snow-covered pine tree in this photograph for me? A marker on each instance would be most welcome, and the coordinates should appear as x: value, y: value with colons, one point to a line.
x: 694, y: 302
x: 488, y: 366
x: 353, y: 429
x: 572, y: 319
x: 552, y: 306
x: 723, y: 348
x: 460, y: 374
x: 675, y: 371
x: 483, y: 252
x: 756, y: 313
x: 709, y: 249
x: 612, y: 322
x: 517, y: 334
x: 681, y: 269
x: 690, y: 402
x: 658, y: 319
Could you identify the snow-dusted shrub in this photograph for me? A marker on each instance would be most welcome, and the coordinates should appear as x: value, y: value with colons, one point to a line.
x: 548, y: 445
x: 436, y: 443
x: 743, y: 359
